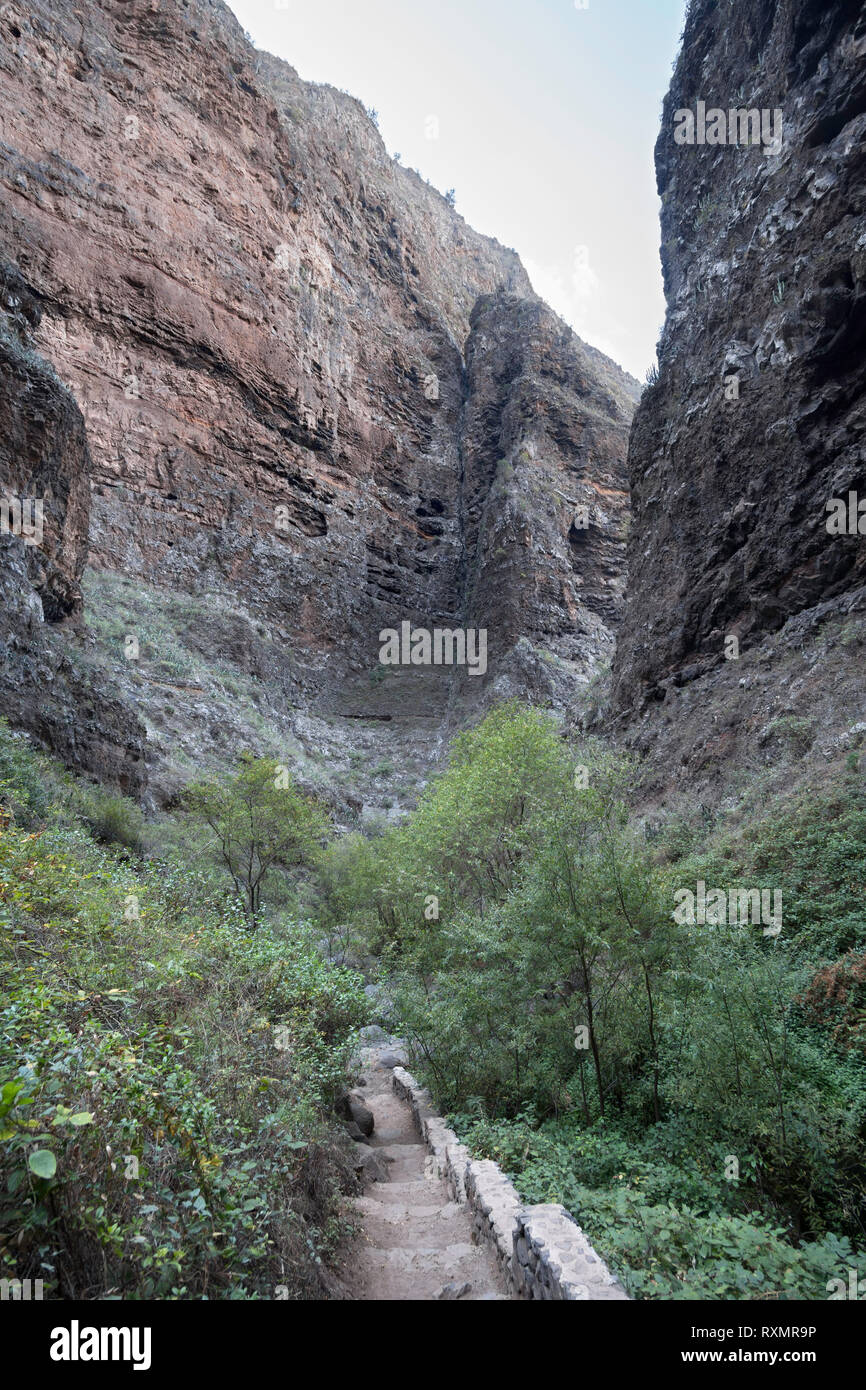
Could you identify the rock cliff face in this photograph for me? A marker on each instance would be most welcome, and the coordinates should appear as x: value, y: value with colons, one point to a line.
x: 45, y: 473
x: 44, y: 462
x: 544, y: 501
x: 264, y: 320
x: 758, y: 416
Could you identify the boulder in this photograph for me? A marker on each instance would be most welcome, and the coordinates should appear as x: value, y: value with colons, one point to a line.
x: 362, y: 1117
x: 373, y: 1033
x: 369, y: 1163
x: 391, y: 1057
x: 451, y: 1292
x: 351, y: 1108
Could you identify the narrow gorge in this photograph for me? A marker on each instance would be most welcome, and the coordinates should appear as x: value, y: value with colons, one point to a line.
x: 450, y: 974
x: 311, y: 393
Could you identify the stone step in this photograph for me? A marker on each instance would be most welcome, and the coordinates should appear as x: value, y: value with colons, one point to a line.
x: 395, y: 1212
x: 414, y: 1228
x: 389, y: 1131
x: 423, y: 1190
x: 420, y: 1257
x: 405, y: 1160
x: 422, y: 1272
x: 415, y: 1242
x: 397, y: 1148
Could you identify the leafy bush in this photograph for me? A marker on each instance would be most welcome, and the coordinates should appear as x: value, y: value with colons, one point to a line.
x: 112, y: 819
x: 659, y: 1210
x: 813, y: 848
x: 669, y: 1251
x: 25, y: 778
x: 166, y: 1080
x: 836, y: 1000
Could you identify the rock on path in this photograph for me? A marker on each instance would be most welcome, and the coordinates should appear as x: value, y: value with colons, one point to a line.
x: 415, y: 1242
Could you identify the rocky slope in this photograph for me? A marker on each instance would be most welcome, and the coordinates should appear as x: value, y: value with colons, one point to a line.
x: 757, y: 418
x: 264, y: 320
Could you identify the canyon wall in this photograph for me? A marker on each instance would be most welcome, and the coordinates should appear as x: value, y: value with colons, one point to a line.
x: 264, y: 320
x: 45, y: 470
x: 545, y: 431
x: 757, y: 418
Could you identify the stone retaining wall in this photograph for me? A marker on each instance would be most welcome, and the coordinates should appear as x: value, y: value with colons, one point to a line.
x: 542, y: 1252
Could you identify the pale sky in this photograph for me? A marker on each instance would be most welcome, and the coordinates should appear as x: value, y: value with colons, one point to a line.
x: 541, y: 114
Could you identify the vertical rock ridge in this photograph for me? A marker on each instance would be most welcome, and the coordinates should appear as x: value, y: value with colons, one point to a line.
x: 757, y: 418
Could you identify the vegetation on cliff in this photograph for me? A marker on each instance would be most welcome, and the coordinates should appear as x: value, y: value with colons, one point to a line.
x: 695, y: 1094
x: 167, y: 1075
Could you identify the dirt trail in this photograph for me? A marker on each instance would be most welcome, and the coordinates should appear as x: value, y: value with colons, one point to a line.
x: 415, y: 1241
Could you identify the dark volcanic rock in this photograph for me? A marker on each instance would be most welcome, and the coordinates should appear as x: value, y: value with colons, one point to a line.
x: 544, y: 494
x: 44, y: 459
x: 43, y: 455
x: 351, y: 1108
x: 758, y: 416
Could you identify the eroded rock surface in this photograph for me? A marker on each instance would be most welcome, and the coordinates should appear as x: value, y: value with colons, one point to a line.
x: 757, y: 418
x: 264, y: 320
x: 544, y: 496
x: 44, y: 475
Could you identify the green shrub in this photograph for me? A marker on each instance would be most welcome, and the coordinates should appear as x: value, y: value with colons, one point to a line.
x: 27, y: 778
x: 111, y: 818
x: 597, y: 1047
x: 669, y: 1251
x: 258, y: 821
x: 166, y: 1080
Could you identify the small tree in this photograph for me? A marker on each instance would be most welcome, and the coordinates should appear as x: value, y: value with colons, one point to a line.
x: 260, y: 820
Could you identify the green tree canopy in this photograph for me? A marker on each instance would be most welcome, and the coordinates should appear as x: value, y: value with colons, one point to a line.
x: 260, y: 820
